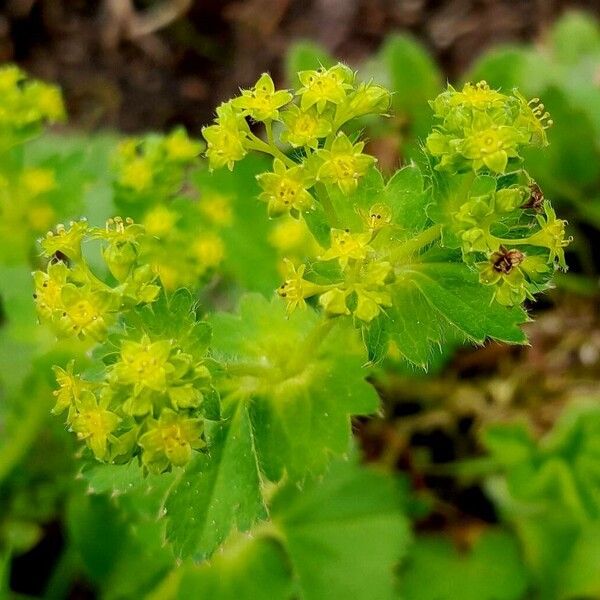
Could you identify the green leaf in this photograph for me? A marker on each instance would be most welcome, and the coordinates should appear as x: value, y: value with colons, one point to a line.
x: 454, y: 291
x: 303, y: 378
x: 580, y: 576
x: 405, y: 195
x: 492, y: 570
x: 219, y: 491
x: 247, y: 569
x: 344, y: 535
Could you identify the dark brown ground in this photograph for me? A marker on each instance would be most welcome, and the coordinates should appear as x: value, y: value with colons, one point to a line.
x: 116, y: 74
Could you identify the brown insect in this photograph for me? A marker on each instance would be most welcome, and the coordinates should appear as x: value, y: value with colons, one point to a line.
x: 504, y: 260
x: 536, y: 197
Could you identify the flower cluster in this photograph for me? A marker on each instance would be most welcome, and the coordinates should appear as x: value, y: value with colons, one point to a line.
x: 151, y: 396
x: 152, y: 168
x: 494, y: 211
x: 26, y: 105
x: 74, y: 300
x: 482, y: 129
x: 327, y: 100
x: 151, y: 182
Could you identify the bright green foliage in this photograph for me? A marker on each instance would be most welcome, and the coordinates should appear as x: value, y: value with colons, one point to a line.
x: 336, y: 537
x: 492, y: 568
x: 299, y: 400
x: 550, y: 491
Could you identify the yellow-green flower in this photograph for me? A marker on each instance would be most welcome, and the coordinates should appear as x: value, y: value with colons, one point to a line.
x: 170, y: 440
x: 551, y: 235
x: 334, y: 301
x: 324, y: 85
x: 209, y: 250
x: 262, y: 102
x: 285, y: 189
x: 344, y: 164
x: 304, y: 128
x: 369, y: 98
x: 295, y: 288
x: 65, y: 241
x: 86, y: 311
x: 38, y: 181
x: 346, y: 246
x: 478, y: 96
x: 143, y: 364
x: 491, y: 147
x: 137, y: 174
x: 179, y: 147
x: 94, y: 423
x: 70, y: 388
x: 369, y: 303
x: 225, y: 140
x: 48, y: 289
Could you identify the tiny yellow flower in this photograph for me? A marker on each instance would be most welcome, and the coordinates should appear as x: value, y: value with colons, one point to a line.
x: 346, y: 246
x: 209, y: 250
x: 551, y: 235
x: 285, y: 189
x: 324, y: 85
x: 295, y: 288
x: 262, y: 102
x: 334, y: 301
x: 217, y: 209
x: 65, y: 241
x: 94, y: 423
x: 86, y: 311
x: 70, y: 388
x: 170, y: 441
x: 38, y: 181
x: 136, y: 174
x: 478, y: 96
x: 48, y: 289
x: 225, y: 140
x: 159, y: 221
x: 143, y: 364
x: 344, y: 164
x: 179, y: 147
x: 304, y: 128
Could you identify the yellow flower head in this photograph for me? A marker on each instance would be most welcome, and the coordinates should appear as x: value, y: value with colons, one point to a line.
x: 38, y: 181
x: 94, y: 423
x: 209, y: 250
x: 159, y: 221
x: 217, y: 209
x: 170, y: 440
x: 344, y: 164
x: 262, y: 102
x: 226, y: 139
x: 304, y: 128
x: 48, y: 289
x: 346, y: 246
x: 179, y: 147
x: 324, y: 85
x: 65, y: 241
x: 143, y: 364
x: 295, y: 288
x: 285, y: 189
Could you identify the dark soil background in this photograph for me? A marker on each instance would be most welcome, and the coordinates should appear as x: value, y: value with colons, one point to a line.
x: 140, y: 65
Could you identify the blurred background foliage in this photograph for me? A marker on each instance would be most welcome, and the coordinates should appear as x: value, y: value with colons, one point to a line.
x: 499, y: 446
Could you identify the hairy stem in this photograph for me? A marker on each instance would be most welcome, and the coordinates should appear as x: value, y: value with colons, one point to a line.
x: 412, y: 246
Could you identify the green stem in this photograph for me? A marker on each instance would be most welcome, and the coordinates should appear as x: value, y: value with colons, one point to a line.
x: 327, y: 205
x: 412, y: 246
x: 257, y: 144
